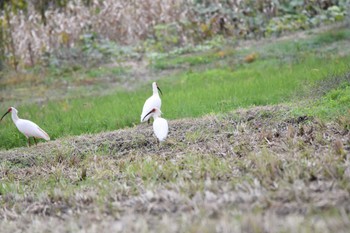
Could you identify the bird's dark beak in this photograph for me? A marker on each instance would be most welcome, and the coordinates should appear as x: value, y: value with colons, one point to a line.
x: 147, y: 114
x: 4, y: 115
x: 159, y: 90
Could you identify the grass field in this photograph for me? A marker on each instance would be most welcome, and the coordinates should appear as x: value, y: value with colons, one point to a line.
x: 259, y: 141
x: 255, y: 170
x: 281, y: 73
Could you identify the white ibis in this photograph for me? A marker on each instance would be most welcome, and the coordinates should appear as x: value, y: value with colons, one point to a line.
x: 152, y: 102
x: 160, y: 125
x: 28, y: 128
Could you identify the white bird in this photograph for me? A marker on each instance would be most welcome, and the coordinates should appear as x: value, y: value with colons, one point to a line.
x: 160, y: 125
x: 152, y: 102
x: 28, y: 128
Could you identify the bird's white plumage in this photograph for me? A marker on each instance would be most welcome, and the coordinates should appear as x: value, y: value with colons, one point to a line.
x: 152, y: 102
x: 160, y: 125
x: 28, y: 128
x: 160, y: 128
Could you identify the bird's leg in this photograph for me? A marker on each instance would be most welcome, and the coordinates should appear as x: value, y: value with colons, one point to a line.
x: 35, y: 141
x: 28, y: 142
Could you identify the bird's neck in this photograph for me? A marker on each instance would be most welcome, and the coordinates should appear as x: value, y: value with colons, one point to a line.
x: 155, y: 92
x: 14, y: 117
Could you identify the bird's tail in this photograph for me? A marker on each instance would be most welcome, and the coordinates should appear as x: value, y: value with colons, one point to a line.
x: 45, y: 135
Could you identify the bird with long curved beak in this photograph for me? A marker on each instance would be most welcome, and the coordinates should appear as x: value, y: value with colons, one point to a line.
x: 26, y: 127
x: 152, y: 102
x: 160, y: 125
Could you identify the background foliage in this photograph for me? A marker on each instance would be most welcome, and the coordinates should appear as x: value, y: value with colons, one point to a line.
x: 49, y: 31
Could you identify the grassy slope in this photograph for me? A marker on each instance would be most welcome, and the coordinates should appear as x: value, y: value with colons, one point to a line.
x: 281, y: 71
x: 264, y: 169
x: 254, y: 170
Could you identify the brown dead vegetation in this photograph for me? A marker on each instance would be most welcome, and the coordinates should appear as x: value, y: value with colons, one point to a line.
x: 256, y: 170
x: 122, y: 21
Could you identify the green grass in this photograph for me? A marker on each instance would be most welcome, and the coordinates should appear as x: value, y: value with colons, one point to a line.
x: 330, y: 37
x: 102, y: 173
x: 278, y: 50
x: 103, y: 71
x: 268, y: 80
x: 189, y: 60
x: 335, y: 105
x: 324, y: 44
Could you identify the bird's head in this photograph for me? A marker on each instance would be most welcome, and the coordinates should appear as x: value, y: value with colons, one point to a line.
x: 154, y: 112
x: 8, y: 111
x: 156, y: 88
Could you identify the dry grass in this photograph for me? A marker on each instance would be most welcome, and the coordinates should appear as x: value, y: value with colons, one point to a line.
x: 256, y: 170
x: 122, y: 21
